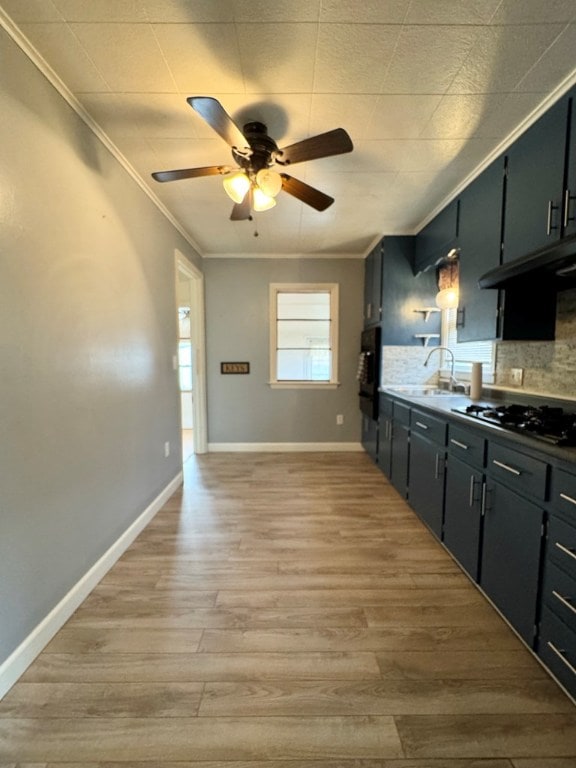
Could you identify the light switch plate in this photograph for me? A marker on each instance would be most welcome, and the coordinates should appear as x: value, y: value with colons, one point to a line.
x: 517, y: 376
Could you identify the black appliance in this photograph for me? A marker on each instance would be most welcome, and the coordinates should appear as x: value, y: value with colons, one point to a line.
x: 369, y: 371
x: 551, y: 424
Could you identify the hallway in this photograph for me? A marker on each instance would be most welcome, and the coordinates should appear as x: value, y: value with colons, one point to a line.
x: 286, y: 611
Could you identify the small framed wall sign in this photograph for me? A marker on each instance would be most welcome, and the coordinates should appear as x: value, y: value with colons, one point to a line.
x: 234, y: 367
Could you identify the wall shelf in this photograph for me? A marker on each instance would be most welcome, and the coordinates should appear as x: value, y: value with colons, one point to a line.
x: 425, y: 337
x: 427, y: 311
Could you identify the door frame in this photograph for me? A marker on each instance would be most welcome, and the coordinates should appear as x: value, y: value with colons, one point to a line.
x: 198, y: 338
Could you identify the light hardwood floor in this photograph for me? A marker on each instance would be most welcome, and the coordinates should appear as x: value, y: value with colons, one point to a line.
x: 286, y: 611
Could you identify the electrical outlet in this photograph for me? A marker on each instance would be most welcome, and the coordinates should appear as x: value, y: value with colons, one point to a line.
x: 166, y: 450
x: 517, y: 376
x: 339, y: 419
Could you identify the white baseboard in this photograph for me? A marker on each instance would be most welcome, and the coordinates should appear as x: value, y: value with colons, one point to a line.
x: 17, y: 663
x: 284, y: 447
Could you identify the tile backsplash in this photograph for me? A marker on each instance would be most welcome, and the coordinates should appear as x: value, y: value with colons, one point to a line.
x: 549, y: 366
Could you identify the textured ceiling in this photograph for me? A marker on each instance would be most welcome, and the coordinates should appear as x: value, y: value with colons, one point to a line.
x: 427, y: 90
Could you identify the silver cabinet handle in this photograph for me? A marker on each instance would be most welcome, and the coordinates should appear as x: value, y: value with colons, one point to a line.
x: 569, y: 552
x: 569, y: 499
x: 507, y: 468
x: 561, y: 656
x: 437, y: 468
x: 565, y: 601
x: 551, y: 207
x: 422, y: 426
x: 471, y: 498
x: 567, y: 201
x: 459, y: 444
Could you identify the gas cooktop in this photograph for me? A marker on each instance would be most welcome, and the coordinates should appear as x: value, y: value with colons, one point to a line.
x: 548, y: 423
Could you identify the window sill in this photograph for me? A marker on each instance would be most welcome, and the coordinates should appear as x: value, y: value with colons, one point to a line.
x: 304, y: 384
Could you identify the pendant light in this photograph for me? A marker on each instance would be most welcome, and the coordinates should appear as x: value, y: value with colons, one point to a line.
x: 447, y: 296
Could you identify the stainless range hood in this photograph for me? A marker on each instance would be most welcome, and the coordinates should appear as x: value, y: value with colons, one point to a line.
x: 553, y: 264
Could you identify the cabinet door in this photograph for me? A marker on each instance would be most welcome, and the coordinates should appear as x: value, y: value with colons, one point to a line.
x: 373, y: 287
x: 370, y: 436
x: 534, y: 185
x: 399, y: 458
x: 511, y: 548
x: 463, y: 514
x: 569, y: 203
x: 385, y: 444
x: 479, y: 239
x: 426, y: 482
x: 437, y: 237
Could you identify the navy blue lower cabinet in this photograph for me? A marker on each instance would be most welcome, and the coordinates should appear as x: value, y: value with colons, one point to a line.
x: 400, y: 452
x: 370, y: 436
x: 463, y: 514
x: 426, y: 469
x: 400, y: 447
x: 511, y: 550
x: 557, y: 649
x: 385, y: 443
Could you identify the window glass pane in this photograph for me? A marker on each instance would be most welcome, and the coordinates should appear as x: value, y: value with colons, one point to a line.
x: 303, y: 306
x: 467, y: 352
x: 184, y: 353
x: 303, y: 365
x: 185, y: 376
x: 303, y: 334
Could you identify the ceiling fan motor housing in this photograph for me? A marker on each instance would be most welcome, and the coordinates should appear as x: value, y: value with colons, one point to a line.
x: 262, y: 145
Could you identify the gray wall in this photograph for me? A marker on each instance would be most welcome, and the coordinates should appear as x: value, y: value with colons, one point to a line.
x: 87, y: 332
x: 243, y: 408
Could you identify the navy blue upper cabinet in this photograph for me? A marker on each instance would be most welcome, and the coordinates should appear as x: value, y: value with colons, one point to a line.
x: 373, y: 287
x: 437, y: 237
x: 479, y: 240
x: 569, y: 205
x: 535, y: 184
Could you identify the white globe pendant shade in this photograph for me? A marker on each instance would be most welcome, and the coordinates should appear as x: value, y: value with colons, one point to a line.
x: 269, y: 182
x: 236, y: 185
x: 261, y: 201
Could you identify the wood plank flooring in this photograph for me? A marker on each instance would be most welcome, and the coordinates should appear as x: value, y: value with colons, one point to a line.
x: 286, y: 611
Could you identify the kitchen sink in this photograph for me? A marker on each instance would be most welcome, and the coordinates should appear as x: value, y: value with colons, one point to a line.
x: 423, y: 391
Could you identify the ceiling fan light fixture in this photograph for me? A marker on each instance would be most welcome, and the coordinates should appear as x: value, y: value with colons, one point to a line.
x: 262, y: 201
x: 270, y: 182
x: 236, y: 185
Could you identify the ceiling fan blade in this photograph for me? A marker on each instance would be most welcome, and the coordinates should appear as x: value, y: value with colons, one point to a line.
x: 335, y: 142
x: 243, y: 211
x: 191, y: 173
x: 305, y: 193
x: 218, y: 119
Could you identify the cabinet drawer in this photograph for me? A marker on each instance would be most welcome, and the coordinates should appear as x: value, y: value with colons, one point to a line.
x: 557, y: 649
x: 562, y: 545
x: 564, y: 492
x: 429, y: 426
x: 466, y: 445
x: 402, y: 414
x: 559, y: 593
x: 523, y: 473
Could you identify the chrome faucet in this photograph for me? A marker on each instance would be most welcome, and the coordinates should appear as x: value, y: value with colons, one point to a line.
x: 453, y: 380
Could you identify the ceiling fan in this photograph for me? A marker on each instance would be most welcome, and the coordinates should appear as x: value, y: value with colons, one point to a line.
x: 252, y: 185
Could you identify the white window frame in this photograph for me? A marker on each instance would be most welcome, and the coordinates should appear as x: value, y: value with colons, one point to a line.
x: 471, y: 350
x: 333, y: 290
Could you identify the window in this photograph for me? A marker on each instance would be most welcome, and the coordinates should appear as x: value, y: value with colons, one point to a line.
x: 304, y: 335
x: 467, y: 352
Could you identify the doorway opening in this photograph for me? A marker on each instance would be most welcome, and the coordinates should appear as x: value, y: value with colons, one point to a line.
x: 191, y: 356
